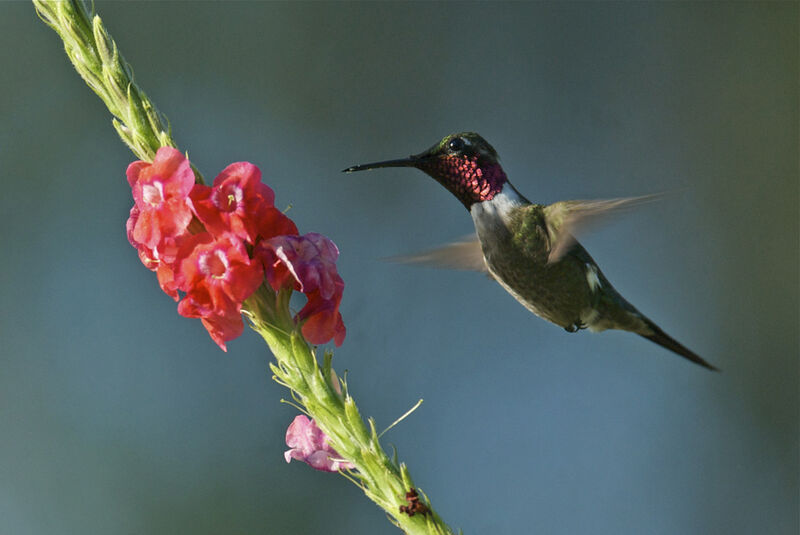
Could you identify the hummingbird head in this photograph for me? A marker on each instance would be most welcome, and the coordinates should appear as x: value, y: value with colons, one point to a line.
x: 463, y: 163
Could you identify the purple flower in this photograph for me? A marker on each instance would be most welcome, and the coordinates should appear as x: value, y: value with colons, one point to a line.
x: 308, y: 263
x: 309, y: 444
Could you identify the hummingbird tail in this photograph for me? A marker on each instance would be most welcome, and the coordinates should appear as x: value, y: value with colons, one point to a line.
x: 664, y: 340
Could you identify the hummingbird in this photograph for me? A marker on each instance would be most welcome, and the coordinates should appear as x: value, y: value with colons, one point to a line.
x: 528, y: 248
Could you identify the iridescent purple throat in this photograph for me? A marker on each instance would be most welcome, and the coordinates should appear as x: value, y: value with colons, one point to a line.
x: 468, y: 178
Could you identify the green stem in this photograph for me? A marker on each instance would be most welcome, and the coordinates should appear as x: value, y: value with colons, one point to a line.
x: 96, y: 58
x: 316, y: 389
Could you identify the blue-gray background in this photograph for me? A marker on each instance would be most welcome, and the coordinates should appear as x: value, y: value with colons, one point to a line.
x: 119, y: 416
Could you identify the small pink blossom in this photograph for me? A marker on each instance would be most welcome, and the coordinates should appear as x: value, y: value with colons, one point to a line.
x: 321, y: 318
x: 240, y: 204
x: 214, y: 242
x: 308, y: 263
x: 161, y: 193
x: 217, y: 276
x: 161, y: 258
x: 309, y: 444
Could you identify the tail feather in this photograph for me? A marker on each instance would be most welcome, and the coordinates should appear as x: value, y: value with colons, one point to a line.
x: 664, y: 340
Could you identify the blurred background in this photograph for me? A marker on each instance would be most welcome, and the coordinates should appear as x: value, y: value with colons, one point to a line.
x: 119, y: 416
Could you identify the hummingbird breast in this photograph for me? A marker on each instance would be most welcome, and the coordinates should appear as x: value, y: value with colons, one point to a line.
x: 516, y: 247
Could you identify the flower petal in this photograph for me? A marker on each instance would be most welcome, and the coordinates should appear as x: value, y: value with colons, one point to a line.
x: 309, y: 444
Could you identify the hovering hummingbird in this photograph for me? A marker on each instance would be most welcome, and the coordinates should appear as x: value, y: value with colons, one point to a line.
x: 528, y: 248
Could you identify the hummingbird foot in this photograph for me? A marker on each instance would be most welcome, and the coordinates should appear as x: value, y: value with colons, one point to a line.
x: 575, y: 327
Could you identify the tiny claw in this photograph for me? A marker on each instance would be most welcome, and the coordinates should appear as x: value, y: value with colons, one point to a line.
x: 575, y: 327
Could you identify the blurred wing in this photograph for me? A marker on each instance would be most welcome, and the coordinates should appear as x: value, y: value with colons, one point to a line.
x: 465, y: 255
x: 566, y: 218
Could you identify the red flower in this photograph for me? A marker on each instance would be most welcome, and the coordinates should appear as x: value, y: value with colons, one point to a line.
x: 308, y: 263
x: 160, y: 259
x: 309, y: 444
x: 217, y: 276
x: 322, y: 318
x: 240, y: 204
x: 161, y: 192
x: 223, y: 327
x: 272, y: 222
x: 213, y: 266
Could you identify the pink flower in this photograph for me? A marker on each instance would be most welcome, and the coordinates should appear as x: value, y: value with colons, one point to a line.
x: 198, y: 239
x: 322, y: 318
x: 161, y: 192
x: 160, y: 259
x: 308, y: 263
x: 217, y: 276
x: 309, y: 444
x: 240, y: 204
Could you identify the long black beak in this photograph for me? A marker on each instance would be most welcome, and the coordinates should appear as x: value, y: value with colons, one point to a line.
x: 411, y: 161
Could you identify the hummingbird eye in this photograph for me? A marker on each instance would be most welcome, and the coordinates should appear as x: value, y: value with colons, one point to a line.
x: 456, y: 144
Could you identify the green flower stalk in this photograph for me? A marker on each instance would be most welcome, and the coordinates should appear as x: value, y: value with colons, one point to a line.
x: 327, y: 399
x: 315, y: 388
x: 97, y: 59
